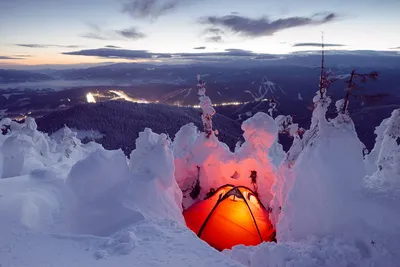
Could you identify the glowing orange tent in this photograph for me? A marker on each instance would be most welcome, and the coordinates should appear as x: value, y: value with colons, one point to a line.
x: 233, y: 215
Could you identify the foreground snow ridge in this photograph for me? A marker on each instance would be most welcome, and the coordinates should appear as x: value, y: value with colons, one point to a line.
x: 64, y: 203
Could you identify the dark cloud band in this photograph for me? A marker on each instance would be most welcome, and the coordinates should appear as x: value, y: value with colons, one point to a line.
x: 47, y: 45
x: 151, y: 8
x: 316, y: 45
x: 250, y: 27
x: 97, y: 33
x: 144, y: 54
x: 10, y: 58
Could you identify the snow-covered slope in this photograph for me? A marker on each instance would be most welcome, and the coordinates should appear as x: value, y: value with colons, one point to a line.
x: 64, y: 203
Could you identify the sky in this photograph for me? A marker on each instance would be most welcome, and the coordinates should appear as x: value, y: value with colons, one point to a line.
x: 92, y: 31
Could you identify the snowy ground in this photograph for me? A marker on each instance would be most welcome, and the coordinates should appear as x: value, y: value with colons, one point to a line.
x: 161, y: 243
x: 64, y: 203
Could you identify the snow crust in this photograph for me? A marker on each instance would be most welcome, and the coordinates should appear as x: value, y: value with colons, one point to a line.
x: 64, y: 203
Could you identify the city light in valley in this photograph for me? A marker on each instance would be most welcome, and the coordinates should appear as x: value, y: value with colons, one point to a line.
x: 91, y: 98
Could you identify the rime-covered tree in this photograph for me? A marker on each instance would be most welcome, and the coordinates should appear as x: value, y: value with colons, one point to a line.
x: 207, y: 109
x: 69, y: 141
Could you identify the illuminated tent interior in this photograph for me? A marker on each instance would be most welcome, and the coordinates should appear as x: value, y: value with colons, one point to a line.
x: 233, y: 215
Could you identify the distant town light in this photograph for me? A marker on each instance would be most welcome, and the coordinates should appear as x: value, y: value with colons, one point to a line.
x: 122, y: 95
x: 90, y: 98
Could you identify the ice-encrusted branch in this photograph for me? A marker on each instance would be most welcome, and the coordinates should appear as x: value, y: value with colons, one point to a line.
x: 352, y: 85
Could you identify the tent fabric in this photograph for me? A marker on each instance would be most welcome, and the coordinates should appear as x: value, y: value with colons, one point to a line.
x: 233, y: 215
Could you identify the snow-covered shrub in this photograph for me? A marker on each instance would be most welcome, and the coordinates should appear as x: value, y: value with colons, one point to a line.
x: 24, y: 149
x: 383, y: 163
x: 186, y: 170
x: 204, y: 164
x: 197, y: 163
x: 68, y: 143
x: 20, y: 156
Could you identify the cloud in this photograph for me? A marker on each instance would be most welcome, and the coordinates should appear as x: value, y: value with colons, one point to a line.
x: 95, y: 36
x: 215, y: 31
x: 111, y: 46
x: 151, y: 8
x: 47, y: 46
x: 349, y: 53
x: 9, y: 58
x: 97, y: 33
x: 316, y: 44
x: 231, y: 52
x: 144, y: 54
x: 23, y: 56
x: 239, y: 51
x: 199, y: 48
x: 250, y: 27
x: 214, y: 39
x: 113, y: 53
x: 131, y: 33
x: 213, y: 35
x: 268, y: 57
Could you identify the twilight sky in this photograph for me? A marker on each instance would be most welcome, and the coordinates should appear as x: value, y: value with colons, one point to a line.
x: 36, y: 32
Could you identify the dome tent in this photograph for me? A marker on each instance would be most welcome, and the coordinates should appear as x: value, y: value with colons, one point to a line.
x: 233, y: 215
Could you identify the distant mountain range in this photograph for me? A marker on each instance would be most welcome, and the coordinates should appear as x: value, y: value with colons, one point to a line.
x: 183, y: 73
x: 18, y: 76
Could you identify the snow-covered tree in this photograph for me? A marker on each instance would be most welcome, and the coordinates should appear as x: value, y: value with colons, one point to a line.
x: 206, y: 106
x: 68, y: 142
x: 24, y: 149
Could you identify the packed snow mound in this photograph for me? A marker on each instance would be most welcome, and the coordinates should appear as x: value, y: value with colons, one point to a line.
x: 31, y: 202
x: 146, y: 243
x: 111, y: 166
x: 325, y: 252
